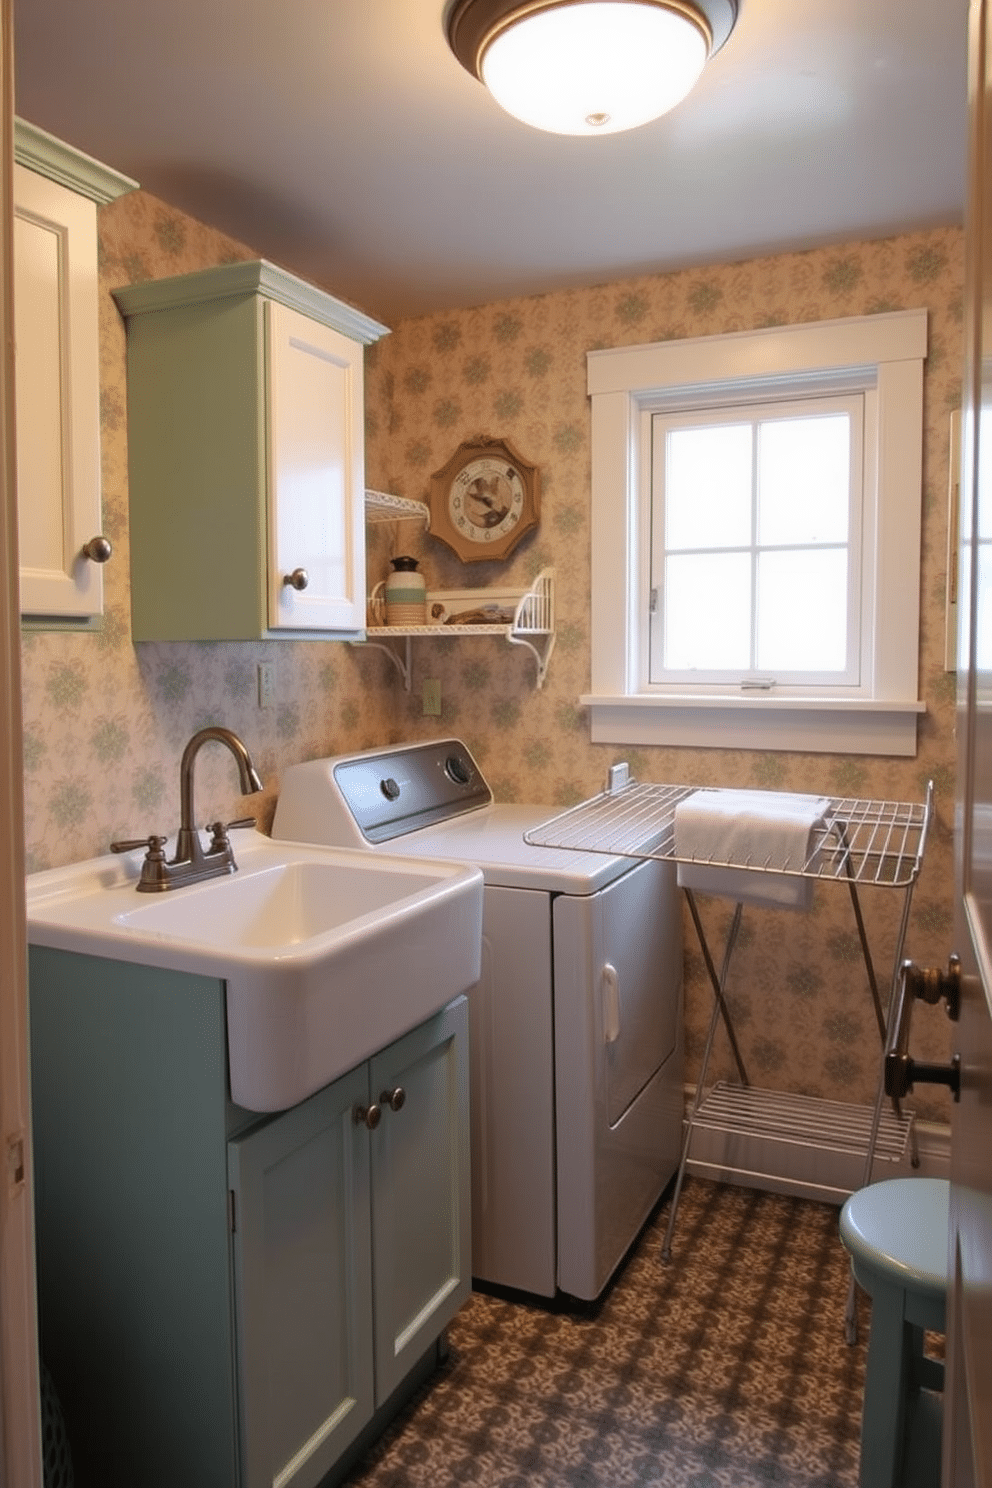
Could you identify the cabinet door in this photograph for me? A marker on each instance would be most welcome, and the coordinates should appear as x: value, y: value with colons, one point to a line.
x: 316, y: 474
x: 57, y: 392
x: 421, y: 1195
x: 303, y: 1286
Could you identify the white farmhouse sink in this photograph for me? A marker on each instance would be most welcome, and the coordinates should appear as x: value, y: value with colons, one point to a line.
x: 327, y: 954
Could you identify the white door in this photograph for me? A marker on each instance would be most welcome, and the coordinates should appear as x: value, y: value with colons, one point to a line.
x: 968, y: 1401
x: 316, y: 466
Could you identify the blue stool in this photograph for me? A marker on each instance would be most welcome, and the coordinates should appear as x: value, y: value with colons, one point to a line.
x: 896, y: 1233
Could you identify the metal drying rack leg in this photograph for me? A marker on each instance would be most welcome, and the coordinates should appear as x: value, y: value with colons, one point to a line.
x: 850, y: 1310
x: 720, y: 1008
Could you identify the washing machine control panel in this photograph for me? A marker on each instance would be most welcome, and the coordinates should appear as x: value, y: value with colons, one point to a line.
x: 401, y: 790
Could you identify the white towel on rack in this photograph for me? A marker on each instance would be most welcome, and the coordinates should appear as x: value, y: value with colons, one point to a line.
x: 749, y: 846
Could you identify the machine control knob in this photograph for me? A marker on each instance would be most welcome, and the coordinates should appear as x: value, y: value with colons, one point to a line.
x: 395, y: 1099
x: 458, y: 769
x: 369, y: 1116
x: 390, y: 789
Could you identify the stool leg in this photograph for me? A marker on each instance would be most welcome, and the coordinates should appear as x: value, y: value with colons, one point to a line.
x: 893, y: 1343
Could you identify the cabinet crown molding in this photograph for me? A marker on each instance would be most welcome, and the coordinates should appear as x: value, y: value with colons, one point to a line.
x: 254, y: 277
x: 50, y: 157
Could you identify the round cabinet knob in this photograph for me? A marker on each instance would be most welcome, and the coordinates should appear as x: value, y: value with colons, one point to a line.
x: 298, y: 579
x: 395, y: 1099
x: 98, y: 549
x: 369, y: 1116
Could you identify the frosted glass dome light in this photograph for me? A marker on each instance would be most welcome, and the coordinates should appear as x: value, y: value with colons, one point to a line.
x: 588, y: 66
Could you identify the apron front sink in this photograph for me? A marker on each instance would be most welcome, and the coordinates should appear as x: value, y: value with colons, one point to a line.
x: 327, y: 954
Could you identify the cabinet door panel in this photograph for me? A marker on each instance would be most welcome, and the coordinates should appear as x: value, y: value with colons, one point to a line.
x: 57, y: 392
x: 421, y: 1197
x: 303, y: 1284
x: 316, y: 473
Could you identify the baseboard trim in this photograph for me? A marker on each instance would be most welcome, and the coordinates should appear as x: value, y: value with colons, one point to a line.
x: 807, y: 1147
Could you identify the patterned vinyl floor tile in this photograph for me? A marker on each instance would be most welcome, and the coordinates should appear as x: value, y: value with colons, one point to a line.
x: 727, y: 1368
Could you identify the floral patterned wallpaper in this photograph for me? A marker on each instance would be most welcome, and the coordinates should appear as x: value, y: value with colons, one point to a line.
x: 105, y: 721
x: 517, y: 369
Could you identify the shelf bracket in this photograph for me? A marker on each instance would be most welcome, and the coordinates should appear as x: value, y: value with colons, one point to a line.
x: 542, y: 657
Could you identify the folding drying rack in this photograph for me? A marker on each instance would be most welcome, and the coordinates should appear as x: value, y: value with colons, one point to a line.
x: 860, y: 843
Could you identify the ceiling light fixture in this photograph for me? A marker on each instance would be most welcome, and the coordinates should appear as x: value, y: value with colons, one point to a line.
x: 588, y: 66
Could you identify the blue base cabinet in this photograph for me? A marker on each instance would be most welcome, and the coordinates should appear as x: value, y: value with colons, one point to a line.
x: 226, y: 1299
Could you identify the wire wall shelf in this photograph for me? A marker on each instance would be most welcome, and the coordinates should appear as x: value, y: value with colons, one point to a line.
x: 523, y: 619
x: 381, y: 506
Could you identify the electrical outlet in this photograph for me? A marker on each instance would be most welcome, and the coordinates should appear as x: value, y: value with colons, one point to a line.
x: 266, y: 684
x: 432, y: 697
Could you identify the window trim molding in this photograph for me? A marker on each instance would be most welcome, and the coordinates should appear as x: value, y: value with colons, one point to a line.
x: 626, y: 386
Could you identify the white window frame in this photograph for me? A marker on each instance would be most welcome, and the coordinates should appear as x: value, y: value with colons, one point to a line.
x: 881, y: 354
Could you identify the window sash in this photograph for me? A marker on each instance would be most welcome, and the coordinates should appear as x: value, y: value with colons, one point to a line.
x: 668, y: 550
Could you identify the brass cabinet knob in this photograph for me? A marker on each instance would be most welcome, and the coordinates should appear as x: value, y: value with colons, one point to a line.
x: 369, y: 1116
x: 298, y: 579
x: 98, y: 549
x: 395, y: 1099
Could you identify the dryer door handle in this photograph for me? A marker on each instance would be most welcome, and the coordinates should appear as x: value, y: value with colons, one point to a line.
x: 611, y: 1004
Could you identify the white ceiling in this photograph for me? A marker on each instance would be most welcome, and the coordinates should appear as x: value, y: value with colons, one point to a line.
x: 341, y: 139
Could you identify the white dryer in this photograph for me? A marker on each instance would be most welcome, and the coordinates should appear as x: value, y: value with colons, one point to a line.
x: 576, y: 1043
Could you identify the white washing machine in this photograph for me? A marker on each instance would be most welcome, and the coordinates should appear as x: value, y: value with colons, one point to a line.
x: 575, y: 1027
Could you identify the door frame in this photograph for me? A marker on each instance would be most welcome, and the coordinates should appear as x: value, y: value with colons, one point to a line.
x: 20, y: 1426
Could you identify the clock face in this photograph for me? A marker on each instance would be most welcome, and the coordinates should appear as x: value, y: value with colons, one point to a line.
x: 486, y: 500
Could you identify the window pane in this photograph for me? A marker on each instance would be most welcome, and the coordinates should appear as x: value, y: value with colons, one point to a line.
x: 707, y: 602
x: 708, y: 487
x: 802, y: 611
x: 804, y: 478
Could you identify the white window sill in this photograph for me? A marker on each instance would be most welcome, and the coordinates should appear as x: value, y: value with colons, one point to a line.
x: 807, y: 725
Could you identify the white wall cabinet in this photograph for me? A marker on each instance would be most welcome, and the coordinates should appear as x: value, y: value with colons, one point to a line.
x: 226, y: 1300
x: 57, y: 375
x: 246, y: 455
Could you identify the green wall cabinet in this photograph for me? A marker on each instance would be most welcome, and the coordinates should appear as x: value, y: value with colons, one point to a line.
x: 226, y: 1300
x: 246, y: 456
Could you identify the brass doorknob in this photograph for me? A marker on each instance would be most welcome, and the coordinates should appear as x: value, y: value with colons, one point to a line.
x: 929, y: 984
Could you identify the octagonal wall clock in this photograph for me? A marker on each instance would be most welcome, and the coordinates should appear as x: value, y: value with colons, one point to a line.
x: 484, y: 500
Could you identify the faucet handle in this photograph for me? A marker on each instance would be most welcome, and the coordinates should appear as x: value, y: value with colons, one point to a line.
x: 153, y: 844
x: 219, y: 831
x: 154, y: 868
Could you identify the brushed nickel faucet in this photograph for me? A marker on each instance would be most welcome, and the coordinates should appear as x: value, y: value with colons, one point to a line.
x: 193, y: 863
